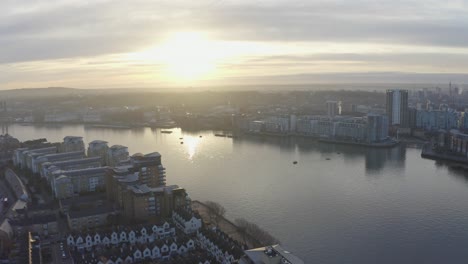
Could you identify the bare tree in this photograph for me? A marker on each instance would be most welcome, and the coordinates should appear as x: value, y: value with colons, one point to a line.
x: 242, y: 226
x: 215, y: 211
x: 257, y: 235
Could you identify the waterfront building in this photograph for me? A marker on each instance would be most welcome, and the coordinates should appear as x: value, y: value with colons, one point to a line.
x: 116, y: 155
x: 48, y: 168
x: 91, y: 117
x: 372, y: 128
x: 22, y: 156
x: 353, y: 129
x: 72, y: 143
x: 142, y: 202
x: 377, y: 128
x: 139, y: 190
x: 277, y: 124
x: 457, y: 142
x: 150, y: 169
x: 434, y: 120
x: 98, y: 148
x: 59, y: 117
x: 38, y: 160
x: 397, y: 107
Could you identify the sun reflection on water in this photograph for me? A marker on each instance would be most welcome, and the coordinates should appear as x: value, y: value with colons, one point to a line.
x: 192, y: 145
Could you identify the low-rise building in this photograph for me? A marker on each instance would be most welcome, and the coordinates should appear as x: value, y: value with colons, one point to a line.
x: 186, y: 220
x: 220, y: 246
x: 80, y: 218
x: 41, y: 224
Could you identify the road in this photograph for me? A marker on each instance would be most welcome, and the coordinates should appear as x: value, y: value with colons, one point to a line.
x: 57, y: 254
x: 5, y: 192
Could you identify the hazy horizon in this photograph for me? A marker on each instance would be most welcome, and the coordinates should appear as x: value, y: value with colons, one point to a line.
x: 143, y: 43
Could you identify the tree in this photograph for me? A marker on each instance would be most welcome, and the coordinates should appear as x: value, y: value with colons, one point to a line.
x: 242, y: 226
x: 215, y: 211
x: 258, y: 236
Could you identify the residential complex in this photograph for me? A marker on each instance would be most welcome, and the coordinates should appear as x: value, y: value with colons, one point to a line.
x: 371, y: 128
x: 109, y: 207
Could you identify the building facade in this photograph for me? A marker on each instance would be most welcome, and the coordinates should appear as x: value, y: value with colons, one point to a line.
x: 397, y: 107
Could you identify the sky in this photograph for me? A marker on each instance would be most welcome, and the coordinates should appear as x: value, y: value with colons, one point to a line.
x: 150, y: 43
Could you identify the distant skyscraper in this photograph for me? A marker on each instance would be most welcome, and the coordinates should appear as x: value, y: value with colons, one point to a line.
x: 397, y: 107
x: 333, y: 108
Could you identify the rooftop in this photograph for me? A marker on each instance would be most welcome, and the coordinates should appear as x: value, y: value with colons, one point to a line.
x: 257, y: 255
x: 83, y: 199
x: 64, y: 154
x: 106, y: 208
x: 81, y: 171
x: 143, y: 188
x: 98, y: 142
x: 34, y: 220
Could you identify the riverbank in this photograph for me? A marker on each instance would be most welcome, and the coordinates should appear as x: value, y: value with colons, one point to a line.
x: 428, y: 153
x: 387, y: 144
x: 225, y: 225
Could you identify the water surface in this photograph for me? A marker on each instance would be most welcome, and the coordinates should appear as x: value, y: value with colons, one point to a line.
x: 339, y: 204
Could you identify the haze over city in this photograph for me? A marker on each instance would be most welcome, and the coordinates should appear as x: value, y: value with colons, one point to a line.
x: 233, y: 131
x: 154, y: 44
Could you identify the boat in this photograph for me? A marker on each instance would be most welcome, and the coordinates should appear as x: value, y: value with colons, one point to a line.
x: 294, y: 162
x: 200, y: 136
x: 166, y: 131
x: 220, y: 135
x: 327, y: 158
x: 181, y: 138
x: 181, y: 142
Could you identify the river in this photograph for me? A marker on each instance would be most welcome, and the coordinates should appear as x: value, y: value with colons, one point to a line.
x: 338, y: 204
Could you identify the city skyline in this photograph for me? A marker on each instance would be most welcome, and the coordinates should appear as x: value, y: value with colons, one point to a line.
x: 116, y: 44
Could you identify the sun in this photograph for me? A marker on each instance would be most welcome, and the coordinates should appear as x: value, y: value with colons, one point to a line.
x: 188, y: 56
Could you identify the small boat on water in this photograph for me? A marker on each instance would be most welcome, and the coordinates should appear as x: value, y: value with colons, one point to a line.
x: 181, y: 138
x: 327, y: 158
x: 166, y: 131
x: 220, y: 135
x: 200, y: 136
x: 181, y: 142
x: 294, y: 162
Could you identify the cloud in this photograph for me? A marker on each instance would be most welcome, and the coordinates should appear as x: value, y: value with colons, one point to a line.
x: 37, y: 31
